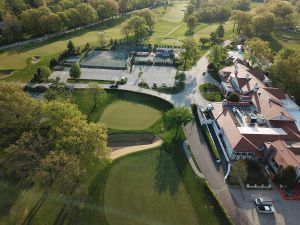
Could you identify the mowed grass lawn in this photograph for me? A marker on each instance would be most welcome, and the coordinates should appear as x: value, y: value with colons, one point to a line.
x: 124, y: 115
x: 158, y: 187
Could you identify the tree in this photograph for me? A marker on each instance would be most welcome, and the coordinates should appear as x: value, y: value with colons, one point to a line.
x: 191, y: 22
x: 75, y: 71
x: 177, y: 117
x: 87, y: 13
x: 98, y: 94
x: 149, y: 16
x: 214, y: 38
x: 50, y: 23
x: 180, y: 77
x: 30, y: 17
x: 42, y: 74
x: 25, y: 155
x: 71, y: 47
x: 204, y: 41
x: 217, y: 55
x: 138, y: 26
x: 125, y: 5
x: 220, y: 31
x: 103, y: 39
x: 285, y: 72
x: 11, y: 26
x: 239, y: 172
x: 190, y: 53
x: 125, y: 30
x: 21, y: 113
x: 57, y: 90
x: 241, y: 20
x: 287, y: 176
x: 263, y: 24
x: 258, y: 52
x: 61, y: 170
x: 107, y: 9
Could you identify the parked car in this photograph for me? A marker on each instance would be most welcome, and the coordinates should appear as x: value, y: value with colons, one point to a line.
x: 265, y: 209
x: 154, y: 85
x: 114, y: 85
x: 263, y: 201
x: 164, y: 84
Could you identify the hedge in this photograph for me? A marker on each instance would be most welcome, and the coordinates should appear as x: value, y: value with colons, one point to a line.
x: 211, y: 143
x: 229, y: 220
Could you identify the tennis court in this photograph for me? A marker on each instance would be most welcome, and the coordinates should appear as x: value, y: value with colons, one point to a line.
x: 105, y: 59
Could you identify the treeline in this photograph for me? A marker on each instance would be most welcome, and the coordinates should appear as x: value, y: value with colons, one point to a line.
x: 215, y: 10
x: 274, y: 13
x: 24, y: 19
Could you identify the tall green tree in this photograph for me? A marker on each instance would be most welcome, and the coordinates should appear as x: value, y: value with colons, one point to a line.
x: 217, y: 55
x: 263, y: 24
x: 138, y: 26
x: 287, y: 176
x: 177, y: 117
x: 191, y: 22
x: 285, y: 72
x: 149, y: 16
x: 258, y: 52
x: 98, y: 94
x: 220, y: 31
x: 75, y: 71
x: 11, y: 26
x: 191, y: 52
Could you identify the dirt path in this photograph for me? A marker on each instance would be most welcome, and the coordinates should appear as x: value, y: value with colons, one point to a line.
x: 125, y: 151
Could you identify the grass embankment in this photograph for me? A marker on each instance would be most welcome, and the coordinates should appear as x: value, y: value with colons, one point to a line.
x: 211, y: 143
x: 211, y: 92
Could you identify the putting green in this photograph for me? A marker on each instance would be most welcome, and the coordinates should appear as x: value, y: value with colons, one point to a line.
x: 124, y: 115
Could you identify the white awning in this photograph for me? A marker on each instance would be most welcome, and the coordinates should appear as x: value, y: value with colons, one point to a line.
x: 261, y: 130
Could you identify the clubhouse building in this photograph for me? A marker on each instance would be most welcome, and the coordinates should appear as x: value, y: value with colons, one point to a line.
x: 264, y: 125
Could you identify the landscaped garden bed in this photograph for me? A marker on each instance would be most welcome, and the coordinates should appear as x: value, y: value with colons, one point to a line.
x: 211, y: 92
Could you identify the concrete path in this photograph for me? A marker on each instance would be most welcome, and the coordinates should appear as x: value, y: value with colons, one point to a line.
x: 165, y: 35
x: 213, y: 173
x: 138, y: 148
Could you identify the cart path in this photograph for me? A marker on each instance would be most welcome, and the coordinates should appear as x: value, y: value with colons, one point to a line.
x: 165, y: 35
x: 131, y: 149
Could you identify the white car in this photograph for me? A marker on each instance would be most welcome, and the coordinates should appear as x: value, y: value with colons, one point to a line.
x: 262, y: 201
x: 267, y: 209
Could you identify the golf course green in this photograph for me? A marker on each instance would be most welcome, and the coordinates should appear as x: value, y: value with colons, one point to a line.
x: 125, y: 115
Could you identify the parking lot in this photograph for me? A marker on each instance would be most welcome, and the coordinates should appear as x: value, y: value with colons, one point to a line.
x: 158, y: 74
x: 285, y: 210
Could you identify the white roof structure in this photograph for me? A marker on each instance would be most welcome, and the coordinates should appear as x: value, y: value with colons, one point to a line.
x: 293, y: 109
x: 261, y: 130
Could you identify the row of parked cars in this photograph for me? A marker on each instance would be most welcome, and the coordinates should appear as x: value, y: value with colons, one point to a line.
x: 264, y: 205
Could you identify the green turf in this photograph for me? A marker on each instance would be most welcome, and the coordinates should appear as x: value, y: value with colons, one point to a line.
x: 150, y: 188
x: 124, y: 115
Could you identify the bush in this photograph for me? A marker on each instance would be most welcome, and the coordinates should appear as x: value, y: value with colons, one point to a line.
x: 143, y: 85
x: 211, y: 144
x: 180, y: 77
x: 233, y: 97
x: 122, y: 81
x: 42, y: 74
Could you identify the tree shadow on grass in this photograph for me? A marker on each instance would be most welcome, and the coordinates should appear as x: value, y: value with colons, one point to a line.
x: 274, y: 44
x: 189, y: 33
x: 169, y: 170
x: 9, y: 196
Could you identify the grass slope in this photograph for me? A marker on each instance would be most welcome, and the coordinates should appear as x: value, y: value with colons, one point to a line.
x: 124, y: 115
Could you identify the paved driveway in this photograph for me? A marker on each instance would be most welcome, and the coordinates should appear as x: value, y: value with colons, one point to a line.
x: 286, y: 213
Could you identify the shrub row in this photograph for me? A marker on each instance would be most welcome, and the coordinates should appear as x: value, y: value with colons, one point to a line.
x: 211, y: 143
x: 213, y: 194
